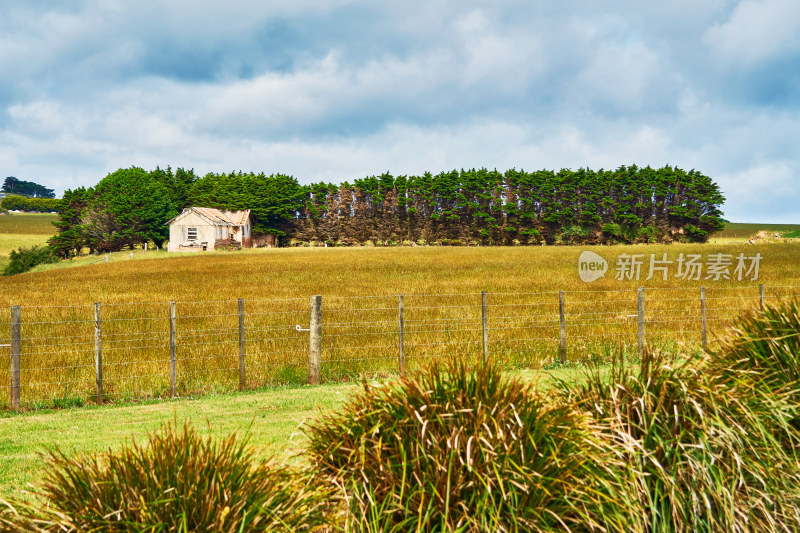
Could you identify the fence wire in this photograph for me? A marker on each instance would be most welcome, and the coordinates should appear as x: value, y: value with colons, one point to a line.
x: 215, y: 346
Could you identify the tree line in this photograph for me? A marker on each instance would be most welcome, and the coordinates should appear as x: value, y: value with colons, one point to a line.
x: 13, y: 185
x: 31, y: 205
x: 485, y: 207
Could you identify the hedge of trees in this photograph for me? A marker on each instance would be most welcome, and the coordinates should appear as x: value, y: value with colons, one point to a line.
x: 35, y: 205
x: 487, y: 207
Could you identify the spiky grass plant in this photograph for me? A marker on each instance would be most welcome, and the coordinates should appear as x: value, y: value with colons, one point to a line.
x: 178, y: 481
x: 460, y: 449
x: 699, y: 458
x: 760, y: 359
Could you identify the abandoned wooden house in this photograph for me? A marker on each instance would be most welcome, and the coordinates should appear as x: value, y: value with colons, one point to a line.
x: 203, y: 228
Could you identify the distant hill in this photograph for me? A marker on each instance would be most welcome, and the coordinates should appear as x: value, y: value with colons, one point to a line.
x: 29, y: 189
x: 744, y: 230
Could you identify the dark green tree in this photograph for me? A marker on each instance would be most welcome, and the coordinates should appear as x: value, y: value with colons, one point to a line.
x: 276, y: 201
x: 128, y: 207
x: 178, y: 185
x: 30, y: 189
x: 71, y: 236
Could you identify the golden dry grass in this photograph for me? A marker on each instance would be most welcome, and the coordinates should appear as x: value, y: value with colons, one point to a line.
x: 23, y: 230
x: 359, y: 286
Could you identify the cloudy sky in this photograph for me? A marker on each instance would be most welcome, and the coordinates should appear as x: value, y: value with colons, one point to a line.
x: 335, y: 90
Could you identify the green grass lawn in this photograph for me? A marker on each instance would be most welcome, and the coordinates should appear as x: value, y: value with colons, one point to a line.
x: 273, y: 418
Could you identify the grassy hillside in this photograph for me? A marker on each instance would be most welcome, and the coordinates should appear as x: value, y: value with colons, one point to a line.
x: 301, y: 272
x: 28, y: 224
x: 23, y: 230
x: 360, y: 289
x: 738, y: 230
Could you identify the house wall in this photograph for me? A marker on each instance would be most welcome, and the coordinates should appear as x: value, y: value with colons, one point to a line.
x: 206, y: 233
x: 264, y: 241
x: 242, y: 234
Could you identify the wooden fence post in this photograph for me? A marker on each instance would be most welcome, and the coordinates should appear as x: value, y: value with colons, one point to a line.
x: 98, y: 353
x: 16, y: 352
x: 563, y: 321
x: 703, y: 316
x: 315, y: 341
x: 485, y: 325
x: 641, y: 321
x: 242, y: 376
x: 402, y: 353
x: 761, y: 295
x: 173, y: 334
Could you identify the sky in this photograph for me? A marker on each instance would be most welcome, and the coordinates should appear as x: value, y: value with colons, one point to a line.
x: 337, y: 90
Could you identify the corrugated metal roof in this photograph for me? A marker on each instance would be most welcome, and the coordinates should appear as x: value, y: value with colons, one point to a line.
x: 217, y: 217
x: 214, y: 215
x: 238, y: 218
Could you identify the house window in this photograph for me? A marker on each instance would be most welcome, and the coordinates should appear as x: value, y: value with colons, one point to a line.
x: 191, y: 234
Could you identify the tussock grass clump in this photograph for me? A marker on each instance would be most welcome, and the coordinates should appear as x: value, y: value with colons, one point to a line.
x: 177, y: 482
x: 458, y: 449
x: 760, y: 356
x: 698, y: 457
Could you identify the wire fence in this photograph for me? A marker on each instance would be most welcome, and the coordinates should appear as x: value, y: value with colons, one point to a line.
x: 108, y: 352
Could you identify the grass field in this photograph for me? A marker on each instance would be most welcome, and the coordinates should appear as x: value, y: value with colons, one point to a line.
x: 300, y: 272
x: 23, y: 230
x: 28, y: 224
x: 272, y: 418
x: 359, y: 287
x: 442, y: 289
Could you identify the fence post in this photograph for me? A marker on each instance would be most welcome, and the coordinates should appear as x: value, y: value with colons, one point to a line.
x: 98, y: 352
x: 761, y: 295
x: 563, y: 321
x: 315, y: 341
x: 402, y: 352
x: 641, y: 321
x: 485, y: 325
x: 703, y: 315
x: 242, y: 376
x: 173, y: 334
x: 16, y: 352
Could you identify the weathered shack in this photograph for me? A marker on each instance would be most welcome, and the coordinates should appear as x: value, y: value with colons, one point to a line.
x: 204, y: 228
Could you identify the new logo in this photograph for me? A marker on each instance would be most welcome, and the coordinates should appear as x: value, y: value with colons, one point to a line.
x: 591, y: 266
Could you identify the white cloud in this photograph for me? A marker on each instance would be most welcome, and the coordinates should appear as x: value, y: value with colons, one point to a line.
x: 627, y: 78
x: 757, y: 31
x: 763, y: 193
x: 361, y: 88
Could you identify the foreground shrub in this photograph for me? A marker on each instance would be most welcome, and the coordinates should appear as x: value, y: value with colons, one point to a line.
x: 464, y: 450
x: 25, y: 259
x: 700, y: 459
x: 177, y: 482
